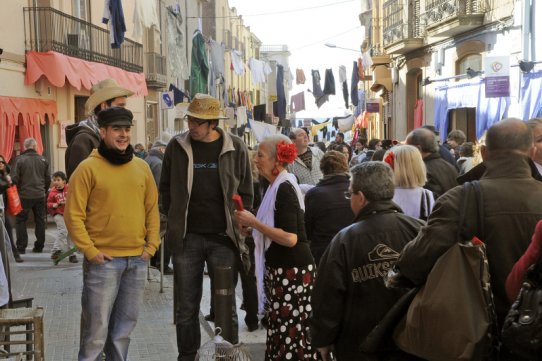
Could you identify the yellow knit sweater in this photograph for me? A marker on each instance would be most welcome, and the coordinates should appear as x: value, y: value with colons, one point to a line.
x: 113, y: 208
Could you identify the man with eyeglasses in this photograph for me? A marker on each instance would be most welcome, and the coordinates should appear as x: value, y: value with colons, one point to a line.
x: 201, y: 171
x: 351, y: 270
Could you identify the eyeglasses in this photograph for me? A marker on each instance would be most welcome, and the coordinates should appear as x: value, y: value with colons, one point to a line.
x: 199, y: 123
x: 348, y: 194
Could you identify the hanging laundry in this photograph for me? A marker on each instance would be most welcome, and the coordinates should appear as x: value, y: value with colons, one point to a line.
x: 354, y: 88
x: 262, y: 130
x: 280, y: 92
x: 237, y: 62
x: 259, y: 112
x: 361, y: 73
x: 361, y: 103
x: 367, y: 61
x: 257, y: 69
x: 319, y: 96
x: 342, y: 80
x: 145, y: 16
x: 216, y: 53
x: 241, y: 114
x: 290, y: 79
x: 299, y: 76
x: 297, y: 102
x: 113, y: 11
x: 176, y: 45
x: 200, y: 65
x: 178, y: 95
x: 418, y: 113
x: 329, y: 83
x: 229, y: 113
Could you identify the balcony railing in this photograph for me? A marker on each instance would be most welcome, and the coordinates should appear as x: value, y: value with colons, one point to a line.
x: 47, y: 29
x: 401, y: 27
x: 156, y: 73
x: 437, y: 11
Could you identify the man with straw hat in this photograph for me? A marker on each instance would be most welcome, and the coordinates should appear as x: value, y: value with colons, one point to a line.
x: 84, y: 136
x: 201, y: 171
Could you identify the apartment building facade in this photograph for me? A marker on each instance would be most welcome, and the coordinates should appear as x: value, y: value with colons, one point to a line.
x: 429, y: 61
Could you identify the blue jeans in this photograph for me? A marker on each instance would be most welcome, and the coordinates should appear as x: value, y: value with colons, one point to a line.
x: 216, y: 250
x: 112, y: 294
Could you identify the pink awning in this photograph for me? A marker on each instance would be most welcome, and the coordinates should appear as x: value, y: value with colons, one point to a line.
x: 28, y: 114
x: 80, y: 73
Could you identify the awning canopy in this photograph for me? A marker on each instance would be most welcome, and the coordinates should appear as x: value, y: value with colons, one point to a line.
x: 381, y: 78
x: 80, y: 73
x: 26, y: 113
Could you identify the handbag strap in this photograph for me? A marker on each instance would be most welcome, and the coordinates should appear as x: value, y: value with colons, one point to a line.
x: 462, y: 230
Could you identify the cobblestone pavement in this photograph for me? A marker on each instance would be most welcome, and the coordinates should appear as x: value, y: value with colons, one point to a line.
x: 58, y: 290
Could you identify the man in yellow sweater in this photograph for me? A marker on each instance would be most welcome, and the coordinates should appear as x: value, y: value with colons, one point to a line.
x: 112, y: 216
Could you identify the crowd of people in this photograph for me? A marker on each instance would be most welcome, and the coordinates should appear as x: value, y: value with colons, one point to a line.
x: 319, y: 230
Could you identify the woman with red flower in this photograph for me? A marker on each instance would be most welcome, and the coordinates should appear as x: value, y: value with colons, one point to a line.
x: 285, y: 268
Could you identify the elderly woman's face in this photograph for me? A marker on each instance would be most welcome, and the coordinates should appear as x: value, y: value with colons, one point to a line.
x: 264, y: 162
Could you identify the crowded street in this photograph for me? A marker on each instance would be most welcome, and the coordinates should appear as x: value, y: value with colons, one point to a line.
x: 240, y: 180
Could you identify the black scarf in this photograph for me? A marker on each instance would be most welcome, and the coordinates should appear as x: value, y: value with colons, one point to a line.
x: 115, y: 156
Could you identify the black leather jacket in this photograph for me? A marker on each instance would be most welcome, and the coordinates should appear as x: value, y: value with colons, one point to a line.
x: 349, y: 296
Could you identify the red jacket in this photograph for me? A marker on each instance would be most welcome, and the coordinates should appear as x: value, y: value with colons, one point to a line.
x: 530, y: 257
x: 56, y: 200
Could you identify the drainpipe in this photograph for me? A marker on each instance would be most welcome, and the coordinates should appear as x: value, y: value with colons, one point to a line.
x: 526, y: 29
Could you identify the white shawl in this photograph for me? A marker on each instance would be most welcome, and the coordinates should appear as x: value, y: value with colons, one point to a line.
x: 266, y: 215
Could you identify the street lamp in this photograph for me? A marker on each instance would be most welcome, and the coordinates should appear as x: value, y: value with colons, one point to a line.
x: 330, y: 45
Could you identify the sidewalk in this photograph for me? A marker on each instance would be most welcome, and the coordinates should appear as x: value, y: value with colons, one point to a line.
x: 58, y: 290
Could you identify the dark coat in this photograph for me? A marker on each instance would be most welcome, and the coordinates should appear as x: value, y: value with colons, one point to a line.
x: 512, y: 206
x: 327, y: 211
x: 441, y: 175
x: 155, y: 159
x: 81, y: 141
x: 31, y: 174
x: 349, y: 296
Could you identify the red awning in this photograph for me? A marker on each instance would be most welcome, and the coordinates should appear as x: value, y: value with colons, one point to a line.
x: 80, y: 73
x: 28, y: 113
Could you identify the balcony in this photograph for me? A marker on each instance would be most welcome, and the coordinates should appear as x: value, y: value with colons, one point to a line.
x: 446, y: 18
x: 156, y: 72
x: 47, y: 29
x: 401, y: 29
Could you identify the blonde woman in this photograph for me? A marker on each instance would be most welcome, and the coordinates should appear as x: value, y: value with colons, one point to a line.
x: 410, y: 176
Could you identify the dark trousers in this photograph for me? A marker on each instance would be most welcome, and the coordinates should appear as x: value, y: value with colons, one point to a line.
x: 216, y: 250
x: 37, y: 206
x: 248, y: 283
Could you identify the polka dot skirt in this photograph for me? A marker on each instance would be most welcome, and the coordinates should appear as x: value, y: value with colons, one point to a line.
x: 288, y: 292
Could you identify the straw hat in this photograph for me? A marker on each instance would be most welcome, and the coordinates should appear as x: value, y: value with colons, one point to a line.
x: 103, y: 91
x: 205, y: 107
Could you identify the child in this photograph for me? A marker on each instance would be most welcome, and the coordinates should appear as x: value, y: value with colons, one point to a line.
x: 55, y: 206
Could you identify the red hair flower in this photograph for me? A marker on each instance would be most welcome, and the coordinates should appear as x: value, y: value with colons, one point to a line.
x: 286, y: 153
x: 389, y: 159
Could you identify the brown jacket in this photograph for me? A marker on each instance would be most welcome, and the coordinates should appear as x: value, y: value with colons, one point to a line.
x: 512, y: 206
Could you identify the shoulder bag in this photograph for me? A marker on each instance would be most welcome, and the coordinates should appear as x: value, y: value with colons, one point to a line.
x: 522, y: 329
x: 452, y: 315
x: 14, y: 205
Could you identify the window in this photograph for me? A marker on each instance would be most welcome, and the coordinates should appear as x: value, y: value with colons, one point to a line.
x: 473, y: 61
x: 81, y: 9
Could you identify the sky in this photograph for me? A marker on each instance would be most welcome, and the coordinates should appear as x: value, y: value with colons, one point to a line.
x: 305, y: 26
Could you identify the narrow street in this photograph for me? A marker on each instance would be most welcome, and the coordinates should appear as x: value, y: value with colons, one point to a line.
x: 58, y: 290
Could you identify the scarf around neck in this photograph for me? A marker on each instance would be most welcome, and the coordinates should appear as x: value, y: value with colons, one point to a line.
x: 114, y: 156
x: 266, y: 215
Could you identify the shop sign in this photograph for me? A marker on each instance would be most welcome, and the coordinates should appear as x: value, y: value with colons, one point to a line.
x: 373, y: 106
x: 497, y: 76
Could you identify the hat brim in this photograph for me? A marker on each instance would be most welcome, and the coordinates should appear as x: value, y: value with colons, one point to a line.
x: 204, y: 116
x: 104, y: 95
